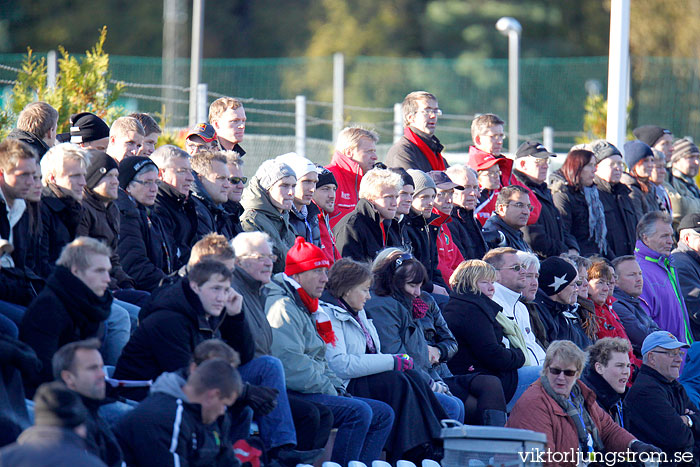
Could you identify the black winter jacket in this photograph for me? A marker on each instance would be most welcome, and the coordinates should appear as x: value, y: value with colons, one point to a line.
x: 170, y: 329
x: 38, y: 444
x: 143, y: 251
x: 687, y: 264
x: 100, y: 439
x: 211, y: 217
x: 407, y: 155
x: 438, y: 334
x: 641, y: 202
x: 234, y: 211
x: 102, y: 223
x: 65, y: 311
x: 547, y: 236
x: 472, y: 319
x: 38, y: 144
x: 653, y: 408
x: 423, y: 237
x: 560, y: 321
x: 360, y: 235
x: 178, y: 215
x: 60, y: 217
x: 512, y: 238
x: 466, y: 233
x: 606, y: 396
x: 573, y: 209
x: 638, y: 325
x: 619, y: 217
x: 306, y: 227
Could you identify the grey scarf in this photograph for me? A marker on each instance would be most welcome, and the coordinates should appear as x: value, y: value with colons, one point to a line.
x: 597, y: 230
x: 575, y: 408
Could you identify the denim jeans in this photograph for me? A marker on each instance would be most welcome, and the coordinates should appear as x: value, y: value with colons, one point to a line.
x: 130, y: 308
x: 8, y: 327
x: 526, y: 376
x: 363, y: 426
x: 277, y: 427
x: 117, y: 333
x: 113, y: 412
x: 452, y: 405
x: 12, y: 311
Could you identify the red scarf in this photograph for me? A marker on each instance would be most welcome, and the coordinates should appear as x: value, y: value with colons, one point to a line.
x: 324, y: 328
x: 420, y: 308
x: 435, y: 160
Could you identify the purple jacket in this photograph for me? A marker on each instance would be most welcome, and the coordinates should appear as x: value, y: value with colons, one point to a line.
x: 661, y: 295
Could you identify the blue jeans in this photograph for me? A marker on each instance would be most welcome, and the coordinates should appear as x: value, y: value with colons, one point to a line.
x: 130, y: 308
x: 363, y: 426
x: 117, y: 333
x: 526, y: 376
x: 277, y: 427
x: 452, y: 405
x: 113, y: 412
x: 8, y: 327
x: 12, y: 311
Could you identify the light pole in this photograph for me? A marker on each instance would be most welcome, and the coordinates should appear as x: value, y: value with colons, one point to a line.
x: 511, y: 27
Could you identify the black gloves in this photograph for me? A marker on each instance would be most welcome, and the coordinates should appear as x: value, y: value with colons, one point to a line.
x: 638, y: 446
x: 261, y: 399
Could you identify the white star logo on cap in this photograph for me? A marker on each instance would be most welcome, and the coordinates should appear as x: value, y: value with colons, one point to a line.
x: 558, y: 282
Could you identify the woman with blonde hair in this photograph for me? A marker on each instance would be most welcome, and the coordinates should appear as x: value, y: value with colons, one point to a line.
x: 489, y: 342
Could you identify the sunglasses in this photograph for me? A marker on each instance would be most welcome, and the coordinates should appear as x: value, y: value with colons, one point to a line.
x: 400, y: 260
x: 558, y: 371
x: 515, y: 267
x: 237, y: 180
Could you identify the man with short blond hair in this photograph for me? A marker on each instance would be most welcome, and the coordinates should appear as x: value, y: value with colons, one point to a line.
x: 210, y: 190
x: 355, y: 154
x: 36, y: 126
x: 228, y: 118
x: 125, y: 138
x: 418, y: 148
x: 151, y: 133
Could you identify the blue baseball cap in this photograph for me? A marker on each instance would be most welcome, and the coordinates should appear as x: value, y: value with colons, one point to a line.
x: 663, y: 339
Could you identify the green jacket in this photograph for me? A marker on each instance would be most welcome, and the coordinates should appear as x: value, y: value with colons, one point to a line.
x: 296, y: 342
x: 261, y: 215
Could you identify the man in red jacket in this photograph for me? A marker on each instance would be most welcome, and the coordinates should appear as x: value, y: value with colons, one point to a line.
x: 355, y: 154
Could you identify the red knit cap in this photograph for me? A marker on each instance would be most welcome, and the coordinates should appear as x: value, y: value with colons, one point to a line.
x: 304, y: 256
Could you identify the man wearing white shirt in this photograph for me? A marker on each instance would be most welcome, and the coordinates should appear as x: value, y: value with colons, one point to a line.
x: 509, y: 286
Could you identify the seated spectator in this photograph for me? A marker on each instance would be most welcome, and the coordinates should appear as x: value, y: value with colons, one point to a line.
x: 628, y: 289
x: 79, y: 366
x: 227, y: 117
x: 403, y: 206
x: 201, y: 306
x: 508, y: 292
x: 306, y: 172
x: 686, y: 260
x: 152, y: 132
x: 657, y: 407
x: 210, y: 192
x: 639, y: 158
x: 449, y: 256
x: 661, y: 186
x: 176, y: 425
x: 125, y: 138
x: 607, y: 374
x: 89, y: 131
x: 615, y: 196
x: 18, y: 363
x: 396, y: 307
x: 510, y: 216
x: 579, y: 204
x: 57, y: 439
x: 63, y: 170
x: 489, y: 342
x: 532, y: 275
x: 292, y: 297
x: 266, y: 201
x: 661, y: 296
x: 143, y: 251
x: 201, y: 138
x: 355, y: 155
x: 354, y: 354
x: 73, y: 306
x: 659, y: 139
x: 322, y: 207
x: 233, y: 207
x: 584, y: 307
x: 36, y: 127
x: 562, y: 407
x: 684, y: 192
x: 556, y: 302
x: 371, y: 226
x: 547, y: 236
x: 466, y: 230
x: 252, y: 271
x: 418, y: 148
x: 488, y: 169
x: 423, y: 235
x: 174, y: 205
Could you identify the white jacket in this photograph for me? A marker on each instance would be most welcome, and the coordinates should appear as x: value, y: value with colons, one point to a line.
x: 513, y: 308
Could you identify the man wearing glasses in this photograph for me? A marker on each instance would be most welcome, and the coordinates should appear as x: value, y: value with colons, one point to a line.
x: 657, y: 408
x: 685, y: 197
x: 418, y: 148
x: 210, y: 190
x: 465, y: 229
x: 513, y: 209
x: 546, y: 236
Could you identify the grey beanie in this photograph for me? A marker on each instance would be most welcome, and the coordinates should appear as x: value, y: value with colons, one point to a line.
x: 421, y: 180
x: 603, y: 149
x: 271, y: 171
